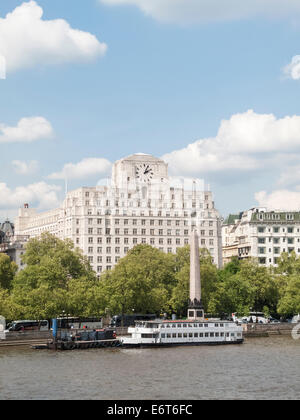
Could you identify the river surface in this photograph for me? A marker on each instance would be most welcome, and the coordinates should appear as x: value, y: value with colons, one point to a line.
x: 261, y: 368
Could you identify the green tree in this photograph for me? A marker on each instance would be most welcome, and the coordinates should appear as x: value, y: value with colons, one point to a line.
x: 289, y: 302
x: 8, y: 270
x: 44, y: 289
x: 141, y: 282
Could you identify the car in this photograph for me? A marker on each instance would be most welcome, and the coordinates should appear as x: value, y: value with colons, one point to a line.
x: 274, y: 321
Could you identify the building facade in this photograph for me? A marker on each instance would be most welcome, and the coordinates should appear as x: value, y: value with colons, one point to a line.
x: 139, y: 205
x: 261, y: 234
x: 13, y: 246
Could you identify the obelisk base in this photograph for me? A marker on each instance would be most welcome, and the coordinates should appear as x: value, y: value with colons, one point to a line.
x: 196, y: 310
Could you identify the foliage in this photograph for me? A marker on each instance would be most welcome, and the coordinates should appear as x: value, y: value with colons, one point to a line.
x: 59, y: 279
x: 141, y: 282
x: 8, y: 270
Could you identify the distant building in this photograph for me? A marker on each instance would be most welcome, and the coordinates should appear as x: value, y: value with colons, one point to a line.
x: 261, y: 234
x: 140, y: 204
x: 13, y: 246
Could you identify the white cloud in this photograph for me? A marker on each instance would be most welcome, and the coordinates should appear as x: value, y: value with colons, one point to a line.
x: 284, y: 200
x: 244, y: 142
x: 292, y: 70
x: 26, y: 131
x: 41, y: 195
x: 25, y: 168
x: 26, y: 40
x: 83, y: 169
x: 198, y: 11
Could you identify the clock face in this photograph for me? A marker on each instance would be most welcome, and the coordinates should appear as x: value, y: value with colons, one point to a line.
x: 144, y: 172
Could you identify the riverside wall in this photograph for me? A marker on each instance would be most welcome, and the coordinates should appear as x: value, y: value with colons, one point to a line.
x: 265, y: 330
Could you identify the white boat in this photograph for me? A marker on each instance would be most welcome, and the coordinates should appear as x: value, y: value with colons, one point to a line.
x: 187, y: 332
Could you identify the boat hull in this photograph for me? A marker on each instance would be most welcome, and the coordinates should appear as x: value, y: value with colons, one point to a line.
x: 205, y: 343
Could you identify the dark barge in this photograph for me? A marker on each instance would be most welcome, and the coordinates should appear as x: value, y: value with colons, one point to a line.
x: 75, y: 339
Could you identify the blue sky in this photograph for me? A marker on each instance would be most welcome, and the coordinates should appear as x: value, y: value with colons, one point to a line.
x: 151, y: 79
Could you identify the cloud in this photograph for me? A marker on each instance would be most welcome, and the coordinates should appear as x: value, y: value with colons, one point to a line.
x: 284, y: 200
x: 25, y: 168
x: 41, y: 195
x: 199, y: 11
x: 292, y: 70
x: 83, y: 169
x: 247, y: 141
x: 27, y: 130
x: 27, y: 41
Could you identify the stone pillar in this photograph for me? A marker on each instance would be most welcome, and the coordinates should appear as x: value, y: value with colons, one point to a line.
x: 195, y: 309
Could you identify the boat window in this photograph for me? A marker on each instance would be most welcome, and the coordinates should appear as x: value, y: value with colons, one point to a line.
x: 227, y: 334
x: 232, y: 334
x: 179, y: 335
x: 206, y: 334
x: 184, y: 325
x: 163, y: 335
x: 179, y: 325
x: 196, y: 325
x: 221, y: 325
x: 206, y: 325
x: 200, y: 325
x: 185, y: 335
x: 200, y: 334
x: 217, y: 334
x: 174, y: 325
x: 216, y: 325
x: 174, y: 335
x: 239, y: 334
x: 162, y: 326
x: 222, y: 334
x: 195, y: 334
x: 190, y: 334
x: 190, y: 326
x: 211, y: 334
x: 168, y: 326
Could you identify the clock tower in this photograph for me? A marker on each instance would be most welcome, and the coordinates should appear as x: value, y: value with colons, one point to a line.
x: 139, y: 170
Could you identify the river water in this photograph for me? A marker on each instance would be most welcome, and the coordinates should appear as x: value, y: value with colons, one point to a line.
x: 261, y: 368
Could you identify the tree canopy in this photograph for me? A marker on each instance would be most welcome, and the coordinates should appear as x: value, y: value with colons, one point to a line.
x: 58, y: 279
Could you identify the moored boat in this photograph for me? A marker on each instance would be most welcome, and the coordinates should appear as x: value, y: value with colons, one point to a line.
x: 187, y: 332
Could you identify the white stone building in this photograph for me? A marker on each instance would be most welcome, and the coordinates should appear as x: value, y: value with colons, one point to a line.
x: 261, y: 234
x: 140, y: 204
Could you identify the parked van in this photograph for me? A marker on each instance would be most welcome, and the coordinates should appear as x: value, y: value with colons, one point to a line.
x: 296, y: 319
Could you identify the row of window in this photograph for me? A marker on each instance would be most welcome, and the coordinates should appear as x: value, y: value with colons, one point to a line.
x: 196, y: 335
x: 275, y: 216
x: 277, y: 240
x: 277, y: 250
x: 277, y: 229
x: 169, y: 232
x: 135, y: 241
x: 150, y: 213
x: 134, y: 222
x: 195, y: 325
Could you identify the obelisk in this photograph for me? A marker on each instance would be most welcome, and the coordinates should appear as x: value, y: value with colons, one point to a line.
x: 195, y: 309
